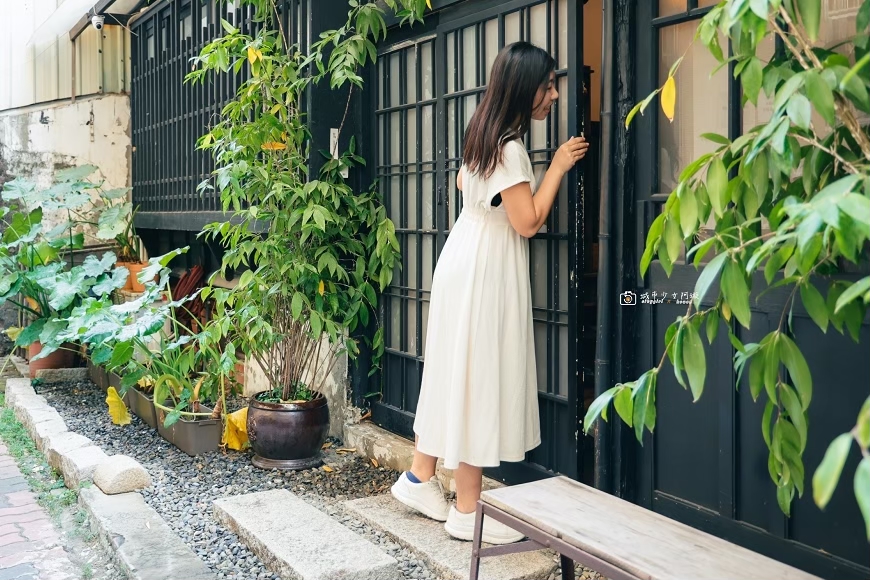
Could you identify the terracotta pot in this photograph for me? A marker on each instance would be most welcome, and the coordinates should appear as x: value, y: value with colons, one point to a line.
x: 134, y: 276
x: 128, y: 285
x: 287, y: 436
x: 59, y: 359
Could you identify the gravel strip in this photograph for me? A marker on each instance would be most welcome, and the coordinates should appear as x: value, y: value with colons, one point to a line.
x: 184, y: 487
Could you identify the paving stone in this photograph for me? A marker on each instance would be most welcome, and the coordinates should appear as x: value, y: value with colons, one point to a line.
x: 121, y: 474
x: 45, y: 429
x: 145, y: 546
x: 78, y: 465
x: 13, y: 484
x: 20, y: 572
x: 17, y: 387
x: 448, y: 557
x: 62, y: 375
x: 296, y: 540
x: 59, y: 444
x: 18, y: 498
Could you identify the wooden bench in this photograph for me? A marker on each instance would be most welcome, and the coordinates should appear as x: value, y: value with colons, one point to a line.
x: 616, y: 538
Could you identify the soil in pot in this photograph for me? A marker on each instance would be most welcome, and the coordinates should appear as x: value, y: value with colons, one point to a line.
x: 287, y: 435
x: 62, y: 358
x: 193, y: 436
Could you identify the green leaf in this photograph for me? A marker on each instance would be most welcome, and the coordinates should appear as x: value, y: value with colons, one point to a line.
x: 623, y: 404
x: 712, y: 327
x: 795, y: 412
x: 862, y: 426
x: 862, y: 20
x: 717, y: 183
x: 688, y: 211
x: 74, y: 173
x: 94, y: 266
x: 643, y: 398
x: 673, y: 239
x: 736, y: 292
x: 751, y: 77
x: 810, y: 11
x: 862, y: 490
x: 631, y: 114
x: 821, y: 96
x: 784, y: 497
x: 598, y: 408
x: 765, y: 422
x: 815, y: 305
x: 296, y: 306
x: 121, y: 355
x: 31, y: 334
x: 827, y: 475
x: 756, y: 374
x: 708, y: 276
x: 694, y: 360
x: 800, y: 111
x: 797, y: 368
x: 853, y: 292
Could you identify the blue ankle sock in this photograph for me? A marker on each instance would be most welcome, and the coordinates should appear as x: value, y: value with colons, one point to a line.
x: 412, y: 478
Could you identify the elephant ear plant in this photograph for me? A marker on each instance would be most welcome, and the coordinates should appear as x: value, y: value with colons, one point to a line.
x: 790, y: 198
x: 183, y: 369
x: 313, y: 251
x: 36, y: 254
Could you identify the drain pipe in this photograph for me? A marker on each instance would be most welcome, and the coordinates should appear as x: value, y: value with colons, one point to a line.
x: 606, y: 269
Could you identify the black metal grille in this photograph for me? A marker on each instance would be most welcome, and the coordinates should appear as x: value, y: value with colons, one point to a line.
x: 427, y: 91
x: 168, y: 115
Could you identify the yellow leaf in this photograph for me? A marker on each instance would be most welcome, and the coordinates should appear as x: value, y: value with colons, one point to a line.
x: 429, y: 4
x: 273, y: 146
x: 117, y: 409
x: 145, y: 382
x: 252, y: 54
x: 375, y: 462
x: 12, y: 332
x: 669, y: 98
x: 321, y: 288
x: 236, y: 431
x: 726, y: 312
x: 327, y: 445
x: 328, y: 469
x: 346, y: 450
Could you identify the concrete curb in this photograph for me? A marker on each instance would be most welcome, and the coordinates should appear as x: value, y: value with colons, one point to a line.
x: 143, y: 543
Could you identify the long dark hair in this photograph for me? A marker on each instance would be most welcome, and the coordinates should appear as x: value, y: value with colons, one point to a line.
x: 505, y: 112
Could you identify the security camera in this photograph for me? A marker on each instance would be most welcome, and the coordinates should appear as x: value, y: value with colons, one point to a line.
x: 97, y: 21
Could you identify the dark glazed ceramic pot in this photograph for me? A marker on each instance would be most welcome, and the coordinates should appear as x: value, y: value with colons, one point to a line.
x: 287, y: 435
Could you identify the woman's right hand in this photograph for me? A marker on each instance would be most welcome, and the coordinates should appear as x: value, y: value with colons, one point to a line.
x: 571, y: 151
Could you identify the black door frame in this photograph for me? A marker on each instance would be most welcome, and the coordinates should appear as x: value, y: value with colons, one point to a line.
x: 400, y: 421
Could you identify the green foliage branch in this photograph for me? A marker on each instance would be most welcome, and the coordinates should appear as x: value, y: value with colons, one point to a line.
x: 313, y: 252
x: 789, y: 199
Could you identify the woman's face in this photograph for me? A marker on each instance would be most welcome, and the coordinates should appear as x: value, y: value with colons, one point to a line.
x: 545, y: 98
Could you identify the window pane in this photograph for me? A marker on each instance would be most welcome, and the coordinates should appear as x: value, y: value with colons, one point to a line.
x: 702, y: 103
x: 669, y: 7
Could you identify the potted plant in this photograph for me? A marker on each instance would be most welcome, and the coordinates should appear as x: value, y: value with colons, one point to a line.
x: 129, y: 245
x: 167, y: 373
x: 310, y: 279
x: 36, y: 270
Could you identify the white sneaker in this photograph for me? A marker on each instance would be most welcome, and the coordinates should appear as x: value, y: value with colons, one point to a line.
x: 426, y: 497
x: 461, y: 527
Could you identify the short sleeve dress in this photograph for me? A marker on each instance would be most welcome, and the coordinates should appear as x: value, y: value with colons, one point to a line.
x: 479, y: 399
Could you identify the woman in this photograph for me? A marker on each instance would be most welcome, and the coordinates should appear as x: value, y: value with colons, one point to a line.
x: 478, y: 402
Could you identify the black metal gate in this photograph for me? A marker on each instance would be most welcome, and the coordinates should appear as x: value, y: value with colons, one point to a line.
x: 427, y: 89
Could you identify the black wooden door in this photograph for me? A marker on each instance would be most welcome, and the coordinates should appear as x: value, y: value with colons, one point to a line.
x: 428, y: 88
x: 706, y: 463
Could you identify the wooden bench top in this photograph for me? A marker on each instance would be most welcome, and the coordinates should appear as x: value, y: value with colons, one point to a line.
x: 641, y: 542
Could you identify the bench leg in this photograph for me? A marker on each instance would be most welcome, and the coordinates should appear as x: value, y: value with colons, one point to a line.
x: 567, y: 568
x: 475, y: 545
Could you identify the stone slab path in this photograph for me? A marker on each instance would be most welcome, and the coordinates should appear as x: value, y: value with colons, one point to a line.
x: 30, y: 546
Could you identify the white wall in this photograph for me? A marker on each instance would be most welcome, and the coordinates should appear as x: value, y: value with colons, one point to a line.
x: 36, y: 55
x: 36, y: 142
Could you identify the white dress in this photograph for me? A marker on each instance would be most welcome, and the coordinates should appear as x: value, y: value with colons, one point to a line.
x: 479, y: 397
